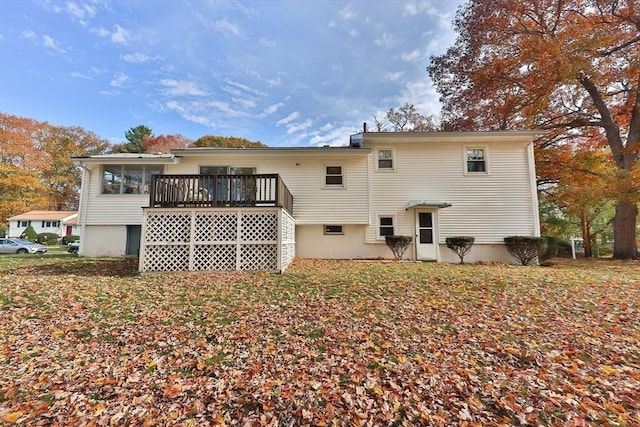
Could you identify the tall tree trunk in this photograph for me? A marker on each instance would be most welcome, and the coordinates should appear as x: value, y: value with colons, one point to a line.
x: 624, y: 230
x: 586, y: 241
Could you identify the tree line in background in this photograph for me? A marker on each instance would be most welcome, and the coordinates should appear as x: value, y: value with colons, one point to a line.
x: 36, y: 167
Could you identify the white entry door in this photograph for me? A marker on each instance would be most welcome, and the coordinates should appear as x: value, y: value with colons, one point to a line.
x: 426, y: 239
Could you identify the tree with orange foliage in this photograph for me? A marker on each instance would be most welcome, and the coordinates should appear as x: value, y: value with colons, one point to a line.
x: 577, y: 179
x: 558, y: 65
x: 164, y: 143
x: 36, y: 171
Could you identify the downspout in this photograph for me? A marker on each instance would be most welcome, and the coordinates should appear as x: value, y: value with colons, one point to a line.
x: 534, y: 190
x: 84, y: 193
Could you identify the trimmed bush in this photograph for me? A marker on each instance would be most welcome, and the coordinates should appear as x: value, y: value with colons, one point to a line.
x: 70, y: 238
x: 47, y: 238
x: 461, y: 245
x: 398, y: 245
x: 525, y: 249
x: 29, y: 233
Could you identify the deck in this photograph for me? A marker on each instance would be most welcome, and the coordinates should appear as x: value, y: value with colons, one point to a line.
x: 216, y: 191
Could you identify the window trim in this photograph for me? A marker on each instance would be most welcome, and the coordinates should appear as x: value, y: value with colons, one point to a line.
x: 332, y: 233
x: 393, y: 159
x: 379, y: 236
x: 466, y: 160
x: 326, y: 165
x: 122, y: 191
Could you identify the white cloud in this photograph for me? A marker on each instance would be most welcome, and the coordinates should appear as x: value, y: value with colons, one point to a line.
x: 182, y: 88
x: 120, y: 35
x: 227, y: 27
x: 119, y: 80
x: 80, y: 12
x: 29, y: 35
x: 333, y: 136
x: 394, y: 77
x: 421, y: 7
x: 297, y: 127
x: 387, y: 41
x: 236, y: 88
x: 275, y: 82
x: 138, y: 58
x: 348, y: 14
x: 101, y: 32
x: 291, y: 117
x: 50, y: 43
x: 354, y: 32
x: 266, y: 42
x: 187, y: 114
x: 245, y: 103
x: 422, y: 95
x: 412, y: 56
x: 273, y: 108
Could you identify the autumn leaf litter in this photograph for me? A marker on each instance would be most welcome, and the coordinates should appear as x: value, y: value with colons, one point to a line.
x: 326, y: 343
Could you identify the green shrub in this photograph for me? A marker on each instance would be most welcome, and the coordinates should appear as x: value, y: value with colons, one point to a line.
x: 47, y: 238
x: 70, y: 238
x: 398, y: 245
x: 525, y: 249
x: 29, y: 233
x: 461, y: 245
x: 555, y: 246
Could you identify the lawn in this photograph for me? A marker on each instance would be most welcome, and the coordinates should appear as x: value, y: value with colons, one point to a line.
x: 92, y: 342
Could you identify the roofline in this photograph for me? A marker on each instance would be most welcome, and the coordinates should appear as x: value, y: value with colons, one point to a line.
x: 460, y: 136
x: 107, y: 159
x: 273, y: 151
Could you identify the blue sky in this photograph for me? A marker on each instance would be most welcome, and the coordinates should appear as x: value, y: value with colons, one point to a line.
x: 286, y: 73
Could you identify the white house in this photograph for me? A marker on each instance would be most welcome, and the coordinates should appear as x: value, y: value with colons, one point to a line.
x: 62, y: 223
x: 255, y: 209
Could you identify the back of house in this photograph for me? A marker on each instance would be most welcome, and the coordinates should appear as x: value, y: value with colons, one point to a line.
x: 256, y: 209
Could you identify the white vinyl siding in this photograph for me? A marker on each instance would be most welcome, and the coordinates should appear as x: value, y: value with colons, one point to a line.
x: 488, y: 207
x: 302, y: 174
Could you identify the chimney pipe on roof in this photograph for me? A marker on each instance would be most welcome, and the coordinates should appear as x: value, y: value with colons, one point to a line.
x: 364, y: 127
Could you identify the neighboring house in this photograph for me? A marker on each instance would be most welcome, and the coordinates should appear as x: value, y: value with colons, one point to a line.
x: 62, y: 223
x: 255, y: 209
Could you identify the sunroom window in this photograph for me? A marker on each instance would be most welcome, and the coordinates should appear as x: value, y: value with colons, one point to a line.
x: 128, y: 179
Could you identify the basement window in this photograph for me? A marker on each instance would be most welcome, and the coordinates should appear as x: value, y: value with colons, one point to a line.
x: 333, y: 229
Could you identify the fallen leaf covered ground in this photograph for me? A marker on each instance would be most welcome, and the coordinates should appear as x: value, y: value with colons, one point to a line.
x: 91, y: 342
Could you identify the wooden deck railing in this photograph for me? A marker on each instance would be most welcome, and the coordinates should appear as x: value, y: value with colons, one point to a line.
x: 219, y: 191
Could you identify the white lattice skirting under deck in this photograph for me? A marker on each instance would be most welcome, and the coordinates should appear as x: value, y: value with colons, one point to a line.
x: 188, y: 239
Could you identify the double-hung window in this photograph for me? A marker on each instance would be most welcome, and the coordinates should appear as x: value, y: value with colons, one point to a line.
x: 476, y: 160
x: 333, y: 176
x: 385, y: 226
x: 385, y: 159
